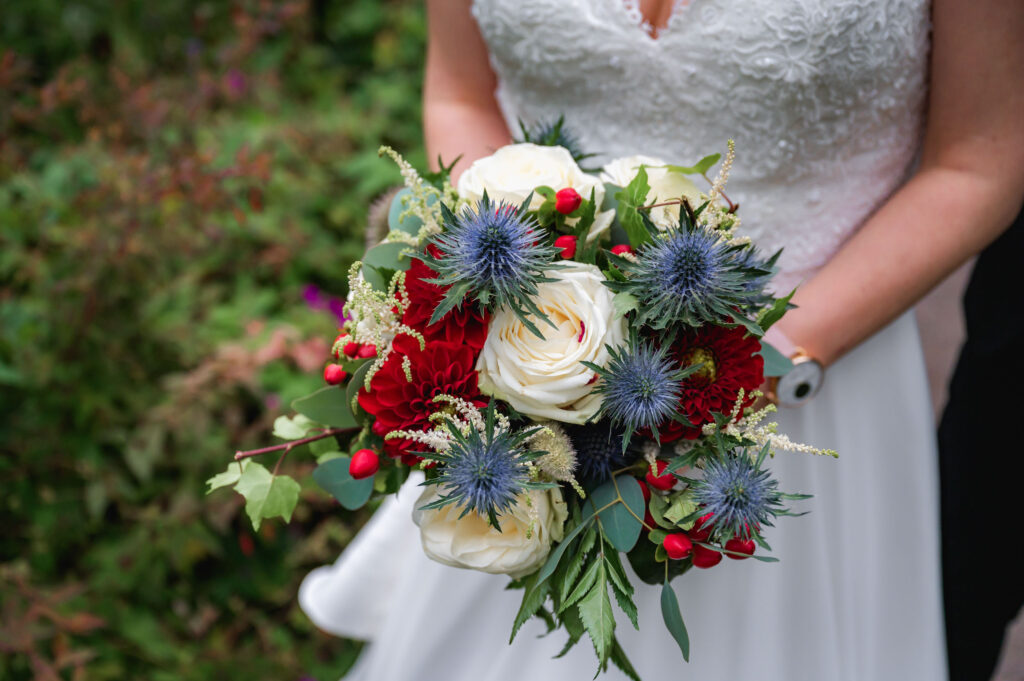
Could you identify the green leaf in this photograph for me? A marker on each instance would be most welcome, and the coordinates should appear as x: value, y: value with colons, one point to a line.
x: 533, y: 597
x: 624, y: 302
x: 570, y: 619
x: 699, y: 168
x: 674, y: 619
x: 775, y: 363
x: 332, y: 475
x: 293, y: 427
x: 681, y: 507
x: 620, y: 660
x: 619, y: 525
x: 577, y: 562
x: 630, y: 199
x: 596, y: 612
x: 770, y: 315
x: 621, y: 587
x: 556, y: 553
x: 267, y: 495
x: 583, y: 585
x: 327, y: 406
x: 228, y: 477
x: 390, y: 255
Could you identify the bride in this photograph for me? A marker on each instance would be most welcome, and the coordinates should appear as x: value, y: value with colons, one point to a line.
x: 826, y: 100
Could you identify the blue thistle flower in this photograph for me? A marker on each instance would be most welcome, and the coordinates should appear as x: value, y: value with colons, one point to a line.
x: 598, y: 450
x: 640, y: 387
x: 691, y: 275
x: 485, y: 472
x: 553, y: 134
x: 496, y: 254
x: 739, y: 493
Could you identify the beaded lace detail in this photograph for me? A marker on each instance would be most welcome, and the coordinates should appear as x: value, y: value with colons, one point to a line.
x: 823, y: 97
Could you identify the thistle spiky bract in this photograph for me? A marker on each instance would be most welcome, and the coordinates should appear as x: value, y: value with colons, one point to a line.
x: 739, y: 493
x: 497, y: 255
x: 640, y: 387
x: 553, y: 134
x: 598, y: 450
x: 485, y: 471
x: 692, y: 275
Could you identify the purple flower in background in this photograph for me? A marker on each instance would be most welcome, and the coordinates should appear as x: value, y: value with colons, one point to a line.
x: 236, y: 82
x: 318, y: 300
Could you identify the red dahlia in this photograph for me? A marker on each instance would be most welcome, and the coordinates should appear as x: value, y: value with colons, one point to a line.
x: 442, y: 368
x: 729, y: 364
x: 464, y: 324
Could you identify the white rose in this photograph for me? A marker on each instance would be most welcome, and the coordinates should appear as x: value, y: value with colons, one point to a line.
x: 470, y: 542
x: 665, y: 185
x: 543, y: 377
x: 515, y: 170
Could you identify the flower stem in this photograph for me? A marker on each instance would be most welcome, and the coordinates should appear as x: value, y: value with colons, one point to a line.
x: 288, y: 446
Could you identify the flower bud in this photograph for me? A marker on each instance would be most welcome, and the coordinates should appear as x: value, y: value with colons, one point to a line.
x: 622, y: 249
x: 677, y: 546
x: 704, y: 557
x: 663, y: 481
x: 364, y: 463
x: 367, y: 350
x: 334, y: 374
x: 567, y: 243
x: 567, y: 200
x: 737, y: 545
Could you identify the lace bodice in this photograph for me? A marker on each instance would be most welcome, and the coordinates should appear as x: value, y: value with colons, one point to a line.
x: 823, y: 97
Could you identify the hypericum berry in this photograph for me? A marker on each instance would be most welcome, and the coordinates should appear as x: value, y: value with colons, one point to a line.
x: 645, y: 490
x: 704, y: 557
x: 334, y: 374
x: 622, y: 249
x: 737, y: 545
x: 367, y: 350
x: 698, y: 532
x: 337, y: 349
x: 677, y: 546
x: 351, y: 349
x: 663, y: 481
x: 567, y: 200
x: 364, y: 463
x: 567, y: 242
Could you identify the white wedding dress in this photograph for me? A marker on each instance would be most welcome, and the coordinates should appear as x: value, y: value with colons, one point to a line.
x: 824, y: 99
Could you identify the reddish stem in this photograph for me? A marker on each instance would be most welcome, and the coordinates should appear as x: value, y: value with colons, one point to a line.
x: 287, y: 446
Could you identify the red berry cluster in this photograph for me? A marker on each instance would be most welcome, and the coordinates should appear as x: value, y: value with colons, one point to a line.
x: 334, y: 374
x: 688, y: 544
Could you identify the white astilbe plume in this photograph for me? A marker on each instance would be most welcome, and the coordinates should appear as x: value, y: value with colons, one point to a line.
x: 463, y: 415
x: 375, y: 317
x: 423, y: 203
x: 749, y: 427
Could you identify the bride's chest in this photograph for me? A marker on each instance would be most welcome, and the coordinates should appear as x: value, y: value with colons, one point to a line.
x: 568, y: 45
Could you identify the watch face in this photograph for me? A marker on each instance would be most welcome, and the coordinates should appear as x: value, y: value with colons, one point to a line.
x: 801, y: 383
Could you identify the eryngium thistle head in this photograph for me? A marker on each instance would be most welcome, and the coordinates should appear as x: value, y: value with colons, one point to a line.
x: 691, y: 275
x: 553, y: 134
x: 484, y: 471
x: 640, y: 387
x: 739, y: 493
x: 495, y: 254
x: 599, y: 450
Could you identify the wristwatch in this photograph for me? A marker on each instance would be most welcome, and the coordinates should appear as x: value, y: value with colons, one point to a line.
x: 800, y: 383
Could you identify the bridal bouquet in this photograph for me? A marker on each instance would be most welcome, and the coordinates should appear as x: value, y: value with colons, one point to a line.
x: 573, y: 361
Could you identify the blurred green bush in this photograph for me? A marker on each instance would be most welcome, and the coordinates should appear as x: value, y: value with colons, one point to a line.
x: 182, y: 188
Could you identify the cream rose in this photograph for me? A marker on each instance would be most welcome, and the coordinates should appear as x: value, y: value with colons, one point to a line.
x: 543, y: 377
x: 470, y: 542
x: 513, y: 171
x: 665, y: 185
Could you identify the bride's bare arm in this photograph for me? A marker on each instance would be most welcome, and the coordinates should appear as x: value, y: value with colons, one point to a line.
x: 967, y: 190
x: 460, y: 114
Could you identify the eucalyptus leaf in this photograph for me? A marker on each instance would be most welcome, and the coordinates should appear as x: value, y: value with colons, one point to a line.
x: 674, y: 619
x: 620, y: 526
x: 333, y: 476
x: 327, y: 406
x: 410, y: 224
x: 391, y: 255
x: 775, y: 363
x: 699, y: 168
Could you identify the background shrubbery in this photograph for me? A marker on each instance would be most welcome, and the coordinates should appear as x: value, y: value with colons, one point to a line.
x: 182, y: 188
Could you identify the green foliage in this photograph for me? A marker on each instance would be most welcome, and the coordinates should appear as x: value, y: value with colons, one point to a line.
x: 674, y: 619
x: 172, y: 176
x: 332, y: 475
